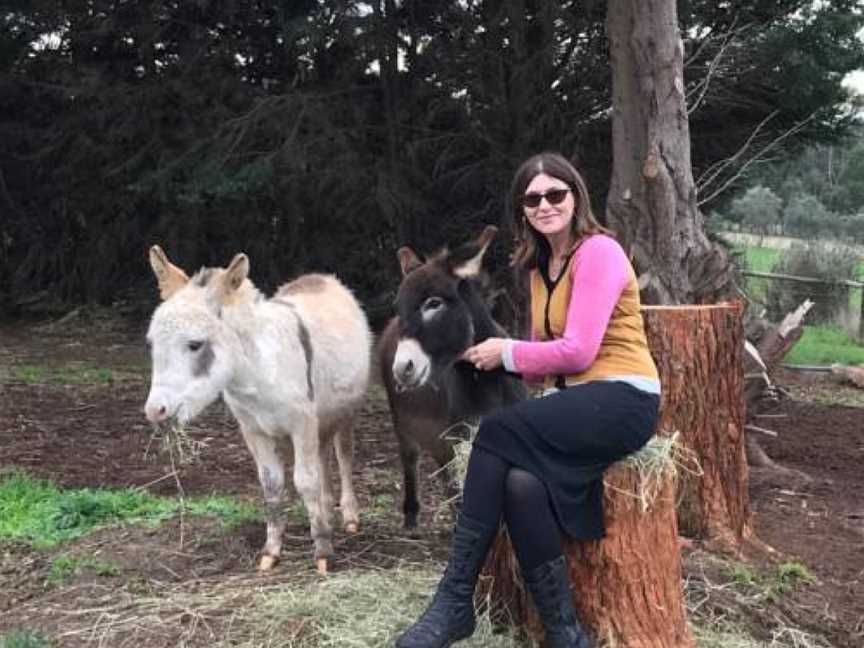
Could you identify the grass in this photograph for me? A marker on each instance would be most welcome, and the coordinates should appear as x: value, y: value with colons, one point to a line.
x: 825, y: 345
x: 761, y: 259
x: 25, y: 639
x: 40, y: 513
x: 65, y: 567
x: 72, y: 374
x: 786, y: 576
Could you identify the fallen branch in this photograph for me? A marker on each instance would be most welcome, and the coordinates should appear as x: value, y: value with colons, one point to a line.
x: 854, y: 375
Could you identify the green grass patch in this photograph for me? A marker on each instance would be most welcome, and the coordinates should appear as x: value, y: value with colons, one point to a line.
x: 824, y: 345
x: 25, y: 639
x: 65, y: 567
x: 761, y: 259
x: 774, y: 583
x: 38, y: 512
x: 72, y: 374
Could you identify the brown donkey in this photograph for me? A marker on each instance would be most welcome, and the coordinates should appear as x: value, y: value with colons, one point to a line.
x: 440, y: 313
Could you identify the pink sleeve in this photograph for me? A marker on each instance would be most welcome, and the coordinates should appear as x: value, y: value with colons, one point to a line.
x: 599, y: 273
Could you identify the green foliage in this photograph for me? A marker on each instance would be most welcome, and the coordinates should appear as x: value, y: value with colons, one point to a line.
x: 774, y: 583
x: 25, y: 639
x: 65, y: 567
x: 759, y: 208
x: 821, y: 186
x: 825, y: 345
x: 804, y: 215
x: 792, y: 573
x: 39, y: 512
x: 324, y: 135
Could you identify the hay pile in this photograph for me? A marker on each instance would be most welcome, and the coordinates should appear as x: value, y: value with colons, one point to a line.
x: 365, y: 609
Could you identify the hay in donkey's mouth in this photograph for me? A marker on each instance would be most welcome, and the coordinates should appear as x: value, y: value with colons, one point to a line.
x: 175, y: 441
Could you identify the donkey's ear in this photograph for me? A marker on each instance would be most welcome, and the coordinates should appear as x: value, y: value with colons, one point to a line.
x: 408, y: 260
x: 235, y: 274
x: 466, y: 260
x: 170, y: 277
x: 223, y: 289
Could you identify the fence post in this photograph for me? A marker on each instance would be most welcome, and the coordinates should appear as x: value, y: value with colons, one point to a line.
x: 861, y: 317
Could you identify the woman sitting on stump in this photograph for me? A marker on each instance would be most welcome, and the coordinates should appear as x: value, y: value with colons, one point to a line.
x: 540, y: 463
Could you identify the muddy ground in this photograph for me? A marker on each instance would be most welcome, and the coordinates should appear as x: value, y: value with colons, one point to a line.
x: 91, y: 432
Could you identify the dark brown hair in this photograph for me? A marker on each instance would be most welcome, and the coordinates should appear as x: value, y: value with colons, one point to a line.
x: 529, y: 242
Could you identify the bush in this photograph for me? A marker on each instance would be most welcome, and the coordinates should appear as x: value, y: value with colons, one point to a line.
x: 806, y: 216
x: 818, y: 260
x: 758, y: 209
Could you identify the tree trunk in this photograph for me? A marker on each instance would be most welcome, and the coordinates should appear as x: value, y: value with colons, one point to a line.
x: 626, y: 588
x: 698, y: 352
x: 652, y: 196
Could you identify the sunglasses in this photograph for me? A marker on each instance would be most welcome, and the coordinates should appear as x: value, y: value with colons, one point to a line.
x: 553, y: 197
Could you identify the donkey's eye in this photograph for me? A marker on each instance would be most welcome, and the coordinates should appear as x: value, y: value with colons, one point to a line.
x: 432, y: 304
x: 194, y: 345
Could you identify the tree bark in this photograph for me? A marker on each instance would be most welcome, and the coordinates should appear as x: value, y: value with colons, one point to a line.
x: 652, y: 196
x: 627, y: 587
x: 698, y: 352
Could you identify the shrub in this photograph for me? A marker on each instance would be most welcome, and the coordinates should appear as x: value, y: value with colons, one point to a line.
x: 818, y: 260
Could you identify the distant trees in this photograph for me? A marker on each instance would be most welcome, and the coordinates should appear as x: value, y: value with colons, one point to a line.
x: 759, y: 209
x: 817, y: 192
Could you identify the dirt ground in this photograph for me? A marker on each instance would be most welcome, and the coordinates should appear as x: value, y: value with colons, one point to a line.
x: 95, y: 435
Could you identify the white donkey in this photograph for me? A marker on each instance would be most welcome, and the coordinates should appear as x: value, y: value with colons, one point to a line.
x: 294, y: 366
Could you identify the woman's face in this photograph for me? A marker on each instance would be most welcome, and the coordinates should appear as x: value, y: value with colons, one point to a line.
x: 552, y: 215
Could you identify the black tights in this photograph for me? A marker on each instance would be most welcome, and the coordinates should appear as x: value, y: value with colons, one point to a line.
x: 493, y: 487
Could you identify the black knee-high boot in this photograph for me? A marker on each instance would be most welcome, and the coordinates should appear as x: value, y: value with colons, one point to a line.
x: 549, y: 585
x: 450, y: 616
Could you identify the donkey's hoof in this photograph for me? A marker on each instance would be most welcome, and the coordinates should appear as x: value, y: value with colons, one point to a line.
x: 321, y: 564
x: 352, y: 527
x: 267, y: 562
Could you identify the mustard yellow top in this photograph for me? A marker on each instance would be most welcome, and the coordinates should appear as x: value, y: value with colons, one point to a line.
x: 623, y: 349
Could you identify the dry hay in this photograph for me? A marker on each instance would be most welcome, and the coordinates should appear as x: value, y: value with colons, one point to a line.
x: 352, y: 609
x: 175, y: 441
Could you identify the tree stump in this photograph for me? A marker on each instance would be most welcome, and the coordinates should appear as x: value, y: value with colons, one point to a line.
x: 627, y: 587
x: 698, y: 352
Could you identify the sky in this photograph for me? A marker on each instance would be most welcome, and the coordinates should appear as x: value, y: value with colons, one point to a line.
x: 855, y: 80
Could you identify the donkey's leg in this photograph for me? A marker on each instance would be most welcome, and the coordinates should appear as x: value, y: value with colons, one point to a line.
x: 409, y: 454
x: 324, y: 455
x: 307, y: 480
x: 343, y: 439
x: 271, y: 474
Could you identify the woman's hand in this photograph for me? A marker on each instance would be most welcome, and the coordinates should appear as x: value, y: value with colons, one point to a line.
x: 486, y: 356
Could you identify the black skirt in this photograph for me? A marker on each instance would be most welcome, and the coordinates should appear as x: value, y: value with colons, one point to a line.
x: 567, y: 440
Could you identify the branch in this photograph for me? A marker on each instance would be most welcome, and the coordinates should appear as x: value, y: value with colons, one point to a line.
x: 717, y: 168
x: 753, y: 159
x: 705, y: 83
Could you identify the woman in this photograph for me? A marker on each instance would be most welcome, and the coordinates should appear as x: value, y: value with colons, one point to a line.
x: 539, y: 464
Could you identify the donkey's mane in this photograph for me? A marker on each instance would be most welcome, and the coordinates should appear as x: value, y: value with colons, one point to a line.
x: 246, y: 293
x: 203, y: 276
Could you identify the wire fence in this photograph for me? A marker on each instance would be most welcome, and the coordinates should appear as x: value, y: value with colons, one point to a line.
x: 838, y: 303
